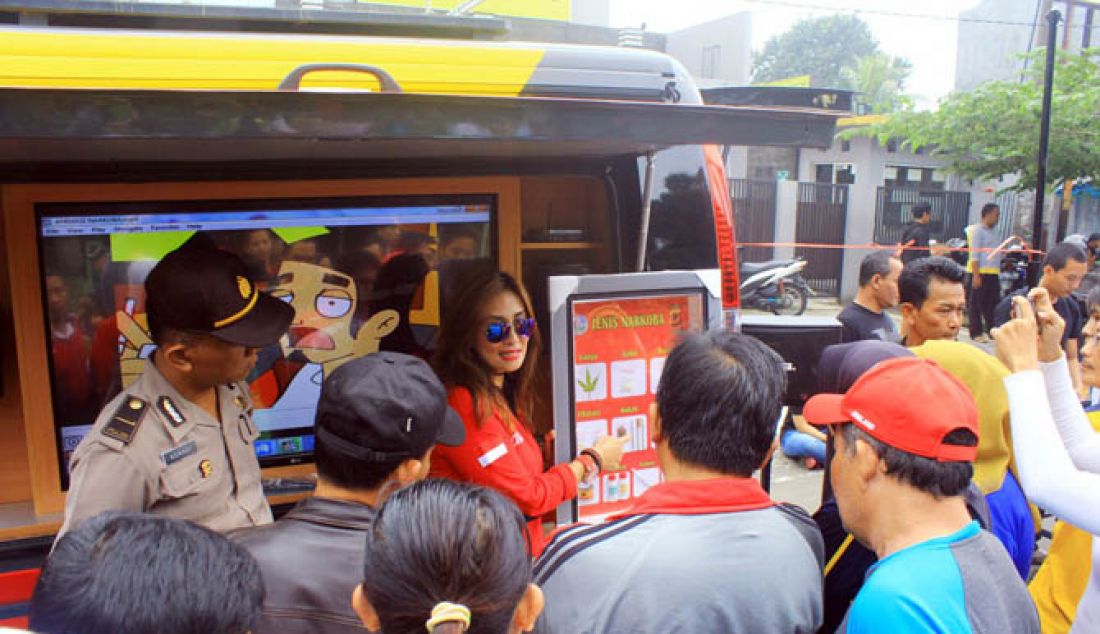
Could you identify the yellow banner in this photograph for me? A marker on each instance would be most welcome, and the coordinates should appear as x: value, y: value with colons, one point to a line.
x: 137, y: 247
x: 798, y: 81
x: 540, y: 9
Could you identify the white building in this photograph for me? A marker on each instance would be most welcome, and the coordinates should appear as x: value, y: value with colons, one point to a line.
x: 716, y: 53
x: 994, y: 35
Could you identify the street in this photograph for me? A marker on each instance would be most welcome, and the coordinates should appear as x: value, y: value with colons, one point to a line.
x: 793, y: 483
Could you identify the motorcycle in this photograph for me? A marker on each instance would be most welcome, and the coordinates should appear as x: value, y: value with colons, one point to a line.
x: 776, y: 286
x: 958, y: 251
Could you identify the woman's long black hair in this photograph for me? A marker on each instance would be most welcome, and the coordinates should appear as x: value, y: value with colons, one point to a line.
x: 457, y: 362
x: 440, y: 540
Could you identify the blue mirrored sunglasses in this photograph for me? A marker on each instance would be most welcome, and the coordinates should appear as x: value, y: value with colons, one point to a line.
x: 499, y: 330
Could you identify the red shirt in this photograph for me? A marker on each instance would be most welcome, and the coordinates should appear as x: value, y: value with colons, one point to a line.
x: 725, y: 494
x: 70, y: 366
x: 508, y: 461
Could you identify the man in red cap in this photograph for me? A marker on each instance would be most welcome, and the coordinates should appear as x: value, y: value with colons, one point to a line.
x: 905, y: 436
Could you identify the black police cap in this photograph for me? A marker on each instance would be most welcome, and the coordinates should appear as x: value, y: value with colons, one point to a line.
x: 198, y: 287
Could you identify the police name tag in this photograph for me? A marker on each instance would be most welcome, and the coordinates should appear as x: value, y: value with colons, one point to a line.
x: 176, y: 454
x: 491, y: 456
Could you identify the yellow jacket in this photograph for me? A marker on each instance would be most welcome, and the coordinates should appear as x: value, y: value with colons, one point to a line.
x: 984, y: 375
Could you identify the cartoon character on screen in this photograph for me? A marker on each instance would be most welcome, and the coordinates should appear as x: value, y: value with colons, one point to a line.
x: 321, y: 334
x: 135, y: 346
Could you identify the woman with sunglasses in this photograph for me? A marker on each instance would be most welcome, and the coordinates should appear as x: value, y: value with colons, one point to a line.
x: 488, y: 348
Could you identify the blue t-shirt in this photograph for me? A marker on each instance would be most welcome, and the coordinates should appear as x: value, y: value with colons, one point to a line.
x: 956, y: 584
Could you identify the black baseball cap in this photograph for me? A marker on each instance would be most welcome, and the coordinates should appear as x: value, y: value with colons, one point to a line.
x: 843, y: 363
x: 396, y: 404
x: 198, y: 287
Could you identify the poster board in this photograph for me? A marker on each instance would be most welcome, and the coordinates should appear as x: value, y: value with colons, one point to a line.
x: 610, y: 335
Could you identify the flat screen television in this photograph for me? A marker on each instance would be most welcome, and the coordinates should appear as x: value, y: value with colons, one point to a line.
x: 362, y: 273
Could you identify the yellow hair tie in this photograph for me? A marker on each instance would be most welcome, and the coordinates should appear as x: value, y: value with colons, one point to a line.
x: 445, y: 612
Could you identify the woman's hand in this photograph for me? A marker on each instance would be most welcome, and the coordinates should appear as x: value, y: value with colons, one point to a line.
x: 1050, y: 334
x: 610, y: 449
x: 1017, y: 340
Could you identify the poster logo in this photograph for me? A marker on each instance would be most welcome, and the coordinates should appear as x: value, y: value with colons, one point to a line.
x: 580, y: 325
x: 244, y: 287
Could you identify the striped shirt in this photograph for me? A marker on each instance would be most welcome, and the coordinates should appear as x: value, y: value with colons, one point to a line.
x: 691, y: 556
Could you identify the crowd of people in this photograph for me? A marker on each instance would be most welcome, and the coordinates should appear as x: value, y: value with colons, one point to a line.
x: 932, y: 294
x: 431, y: 484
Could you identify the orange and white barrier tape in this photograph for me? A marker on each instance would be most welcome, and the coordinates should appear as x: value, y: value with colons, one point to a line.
x: 873, y: 246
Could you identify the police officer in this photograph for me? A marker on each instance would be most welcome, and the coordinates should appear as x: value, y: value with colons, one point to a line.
x: 178, y: 441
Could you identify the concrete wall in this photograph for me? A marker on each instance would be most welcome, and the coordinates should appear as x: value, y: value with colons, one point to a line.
x: 870, y: 161
x: 737, y: 162
x: 765, y: 163
x: 991, y: 50
x: 718, y: 50
x: 786, y: 217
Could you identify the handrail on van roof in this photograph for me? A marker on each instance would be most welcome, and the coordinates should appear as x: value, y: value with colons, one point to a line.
x: 293, y: 80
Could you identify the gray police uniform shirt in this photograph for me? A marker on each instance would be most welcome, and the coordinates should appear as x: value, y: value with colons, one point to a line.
x: 663, y: 572
x: 151, y: 450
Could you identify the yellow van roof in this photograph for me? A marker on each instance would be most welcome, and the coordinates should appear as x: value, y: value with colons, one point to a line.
x: 132, y: 59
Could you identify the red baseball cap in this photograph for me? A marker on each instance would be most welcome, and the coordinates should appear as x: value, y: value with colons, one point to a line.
x: 910, y: 404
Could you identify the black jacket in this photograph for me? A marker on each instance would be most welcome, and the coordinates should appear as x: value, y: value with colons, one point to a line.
x: 311, y: 559
x: 919, y: 236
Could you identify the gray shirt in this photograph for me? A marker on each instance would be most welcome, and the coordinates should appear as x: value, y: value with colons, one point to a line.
x: 982, y: 237
x: 674, y: 568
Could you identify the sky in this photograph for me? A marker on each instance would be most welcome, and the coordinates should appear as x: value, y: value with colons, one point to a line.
x: 928, y: 42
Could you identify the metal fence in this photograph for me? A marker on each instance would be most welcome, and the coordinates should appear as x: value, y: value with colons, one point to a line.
x: 893, y: 211
x: 1084, y: 216
x: 821, y: 219
x: 754, y: 216
x: 1010, y: 203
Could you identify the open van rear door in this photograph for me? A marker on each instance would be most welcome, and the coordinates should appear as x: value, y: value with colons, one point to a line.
x: 92, y: 135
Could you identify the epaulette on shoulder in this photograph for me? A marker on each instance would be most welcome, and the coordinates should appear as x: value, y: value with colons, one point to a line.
x: 125, y: 421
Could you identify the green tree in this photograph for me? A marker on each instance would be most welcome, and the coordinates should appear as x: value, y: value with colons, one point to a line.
x: 880, y: 81
x: 993, y: 131
x: 818, y: 47
x: 836, y: 51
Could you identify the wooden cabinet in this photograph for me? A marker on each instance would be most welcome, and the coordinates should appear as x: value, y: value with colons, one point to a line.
x: 549, y: 205
x: 31, y: 497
